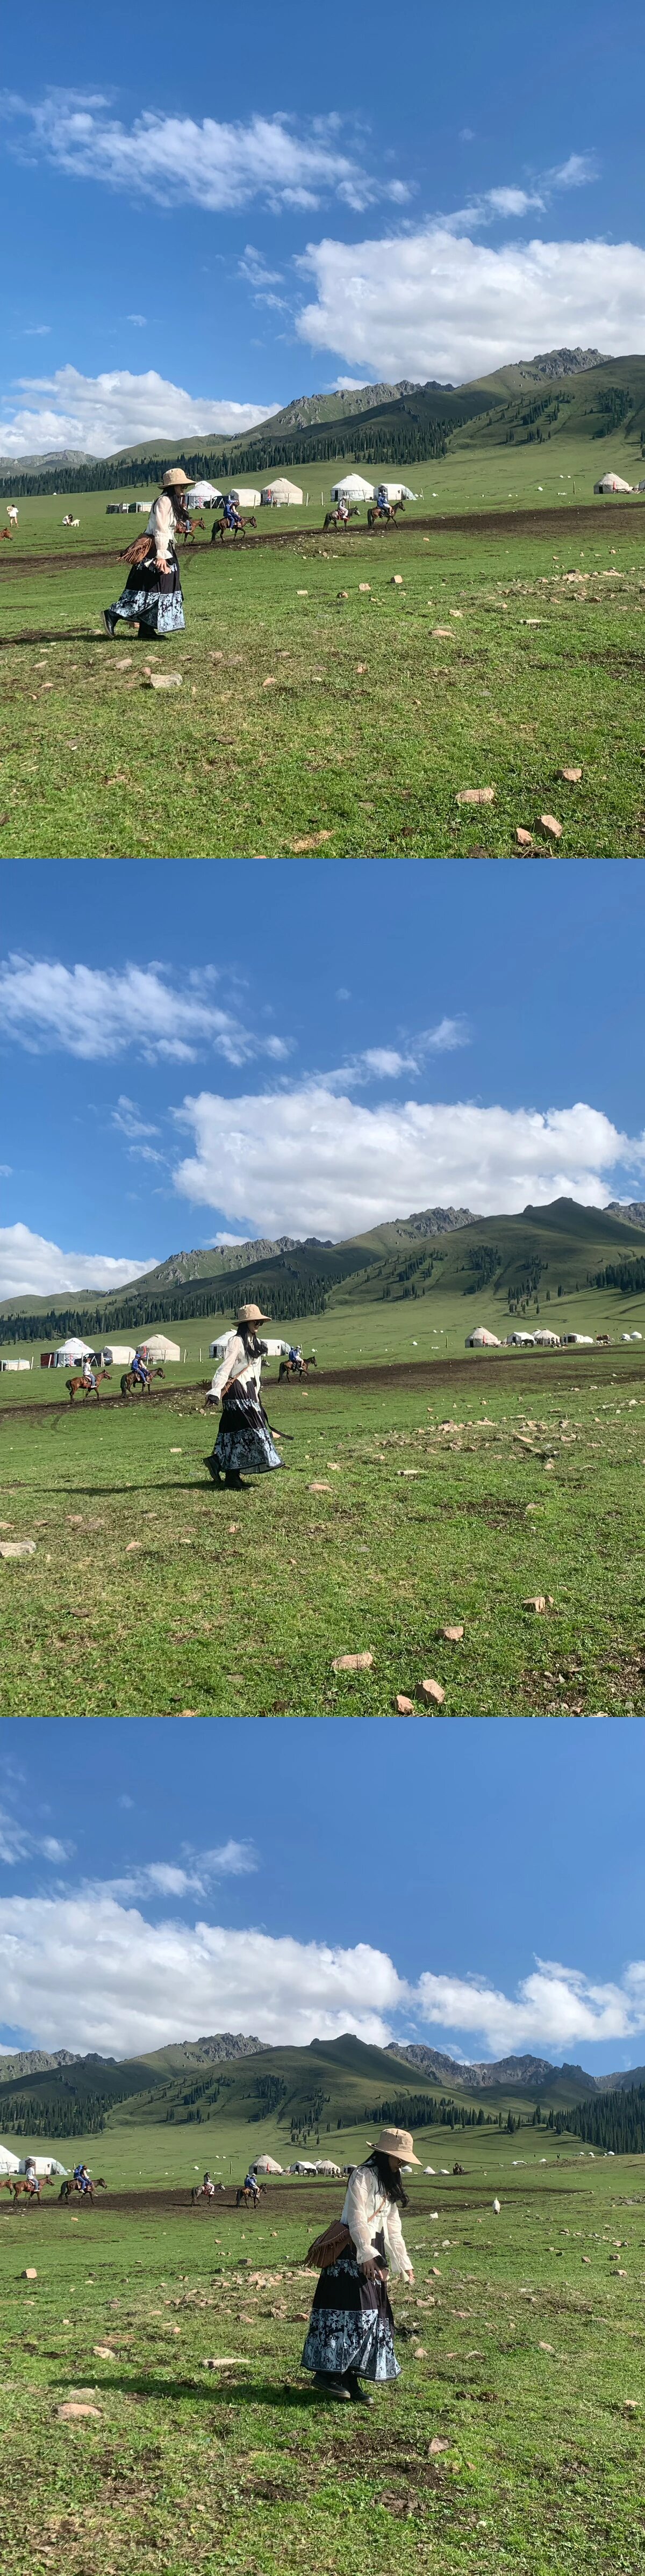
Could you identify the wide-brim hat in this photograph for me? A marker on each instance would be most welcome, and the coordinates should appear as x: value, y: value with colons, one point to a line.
x: 251, y: 1315
x: 397, y: 2142
x: 175, y: 477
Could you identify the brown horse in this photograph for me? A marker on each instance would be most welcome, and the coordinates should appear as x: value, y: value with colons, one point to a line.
x: 77, y: 1386
x: 70, y: 2189
x: 24, y: 2186
x: 245, y: 2199
x: 338, y: 519
x: 384, y: 518
x: 223, y: 527
x: 290, y: 1376
x: 131, y: 1384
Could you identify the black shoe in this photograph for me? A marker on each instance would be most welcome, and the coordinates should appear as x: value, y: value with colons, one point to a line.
x: 235, y: 1483
x: 109, y: 623
x: 359, y: 2396
x: 213, y: 1470
x: 329, y: 2385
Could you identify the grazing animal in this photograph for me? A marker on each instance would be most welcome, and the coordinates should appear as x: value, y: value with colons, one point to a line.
x: 603, y: 1339
x: 6, y: 532
x: 67, y: 522
x: 459, y: 2169
x: 77, y: 1386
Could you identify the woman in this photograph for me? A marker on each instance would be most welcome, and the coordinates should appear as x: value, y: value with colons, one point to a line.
x: 244, y: 1437
x: 351, y: 2327
x: 153, y: 591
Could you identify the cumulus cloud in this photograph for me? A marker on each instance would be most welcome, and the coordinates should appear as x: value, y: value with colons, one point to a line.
x: 17, y: 1843
x: 118, y: 409
x: 97, y: 1012
x: 433, y: 302
x: 179, y: 160
x: 193, y: 1875
x: 152, y: 1982
x: 31, y: 1266
x: 310, y: 1161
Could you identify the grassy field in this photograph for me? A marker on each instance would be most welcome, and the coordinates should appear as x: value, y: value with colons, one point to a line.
x: 413, y: 1497
x: 313, y: 721
x: 242, y: 2470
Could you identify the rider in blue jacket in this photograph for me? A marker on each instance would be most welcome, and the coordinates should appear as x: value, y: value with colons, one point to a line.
x: 139, y: 1369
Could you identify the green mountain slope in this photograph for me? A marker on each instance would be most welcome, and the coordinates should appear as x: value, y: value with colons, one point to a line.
x: 544, y: 1249
x: 603, y: 405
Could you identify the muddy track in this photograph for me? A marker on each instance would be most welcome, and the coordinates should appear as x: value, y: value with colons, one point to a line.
x: 312, y: 2202
x: 566, y: 524
x: 547, y: 1369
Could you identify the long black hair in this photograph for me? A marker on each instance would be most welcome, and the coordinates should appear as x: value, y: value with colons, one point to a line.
x: 389, y: 2177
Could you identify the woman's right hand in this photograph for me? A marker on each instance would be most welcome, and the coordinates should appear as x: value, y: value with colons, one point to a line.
x: 372, y: 2271
x: 162, y: 565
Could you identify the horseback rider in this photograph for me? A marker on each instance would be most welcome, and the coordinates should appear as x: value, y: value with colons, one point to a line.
x: 139, y: 1370
x: 251, y: 2183
x: 208, y: 2187
x: 295, y: 1355
x: 89, y: 1378
x: 382, y: 502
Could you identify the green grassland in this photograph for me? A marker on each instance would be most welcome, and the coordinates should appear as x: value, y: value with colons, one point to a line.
x: 311, y: 721
x: 151, y: 1593
x: 521, y: 2349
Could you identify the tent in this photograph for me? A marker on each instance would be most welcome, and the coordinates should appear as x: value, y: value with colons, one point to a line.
x: 480, y: 1339
x: 219, y: 1349
x: 612, y: 483
x: 302, y: 2169
x: 8, y: 2162
x: 203, y: 496
x: 266, y: 2164
x: 352, y: 488
x: 159, y: 1348
x: 71, y: 1351
x: 42, y: 2165
x: 275, y: 495
x: 394, y: 492
x: 117, y: 1355
x: 15, y: 1364
x: 553, y: 1339
x: 247, y: 500
x: 325, y: 2166
x: 520, y: 1338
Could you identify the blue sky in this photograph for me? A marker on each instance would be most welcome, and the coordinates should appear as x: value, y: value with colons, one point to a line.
x: 178, y: 1068
x: 213, y: 219
x: 480, y: 1886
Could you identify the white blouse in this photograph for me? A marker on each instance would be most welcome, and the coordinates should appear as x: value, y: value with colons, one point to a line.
x: 162, y: 526
x: 367, y: 2209
x: 236, y: 1364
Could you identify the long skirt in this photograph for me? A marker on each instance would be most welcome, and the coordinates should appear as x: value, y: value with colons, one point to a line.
x: 154, y: 598
x: 244, y: 1439
x: 351, y: 2326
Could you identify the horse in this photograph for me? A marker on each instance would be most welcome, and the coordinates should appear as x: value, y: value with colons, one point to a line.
x: 237, y: 530
x: 459, y: 2169
x: 129, y: 1382
x: 244, y: 2197
x: 6, y: 532
x: 384, y: 518
x: 79, y: 1386
x: 338, y: 519
x: 290, y: 1372
x: 24, y: 2186
x: 85, y: 2191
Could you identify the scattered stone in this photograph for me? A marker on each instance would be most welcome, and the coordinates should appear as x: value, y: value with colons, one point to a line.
x: 453, y: 1635
x: 228, y: 2361
x: 352, y: 1663
x: 572, y: 776
x: 396, y: 582
x: 476, y: 796
x: 340, y: 594
x: 164, y: 680
x: 304, y: 594
x: 361, y: 668
x: 175, y: 1453
x: 404, y: 1707
x: 549, y: 823
x: 365, y: 585
x: 319, y: 1489
x: 547, y: 2347
x: 233, y: 1527
x: 70, y: 2413
x: 432, y: 1690
x: 18, y: 1547
x: 132, y: 1544
x: 442, y: 630
x: 524, y: 839
x: 30, y: 2275
x: 104, y: 2352
x: 539, y: 1601
x: 436, y: 2446
x: 456, y: 612
x: 313, y: 841
x: 125, y: 665
x: 271, y: 682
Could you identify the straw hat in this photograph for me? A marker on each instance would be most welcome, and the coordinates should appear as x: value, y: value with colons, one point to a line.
x: 251, y: 1315
x: 397, y: 2143
x: 175, y: 478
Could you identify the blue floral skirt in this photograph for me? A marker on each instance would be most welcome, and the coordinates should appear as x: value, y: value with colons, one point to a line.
x: 154, y: 598
x: 244, y: 1440
x: 351, y: 2326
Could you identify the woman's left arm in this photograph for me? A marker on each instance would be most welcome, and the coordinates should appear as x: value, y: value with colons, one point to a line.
x: 397, y: 2250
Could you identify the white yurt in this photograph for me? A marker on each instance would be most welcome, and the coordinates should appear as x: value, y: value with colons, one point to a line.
x: 325, y: 2166
x: 266, y: 2164
x: 612, y: 483
x: 552, y: 1340
x: 275, y: 1350
x: 352, y: 488
x: 636, y: 1337
x: 481, y: 1340
x: 15, y: 1364
x: 72, y: 1351
x: 117, y: 1355
x: 203, y: 496
x: 276, y: 495
x: 519, y: 1339
x: 248, y: 500
x: 159, y: 1348
x: 218, y: 1349
x: 393, y: 492
x: 8, y: 2162
x: 42, y: 2165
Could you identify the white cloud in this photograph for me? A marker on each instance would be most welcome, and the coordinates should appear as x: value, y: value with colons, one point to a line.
x: 178, y: 160
x: 307, y: 1161
x: 555, y: 2007
x: 96, y: 1012
x: 30, y: 1266
x: 194, y: 1875
x: 431, y: 303
x: 17, y: 1843
x: 152, y: 1983
x: 114, y: 410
